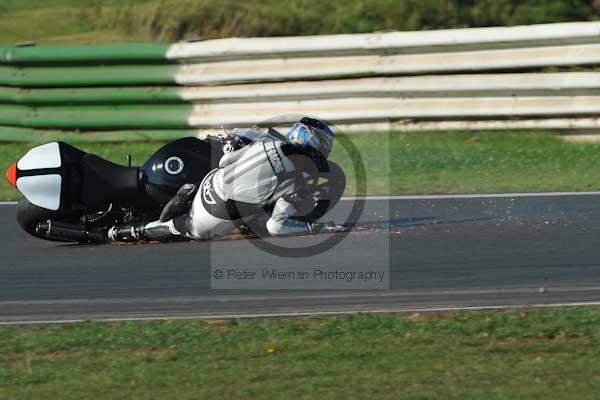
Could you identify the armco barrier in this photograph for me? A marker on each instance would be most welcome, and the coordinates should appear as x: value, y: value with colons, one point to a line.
x: 98, y: 54
x: 347, y: 111
x: 451, y: 79
x: 439, y: 86
x: 350, y: 44
x: 285, y: 69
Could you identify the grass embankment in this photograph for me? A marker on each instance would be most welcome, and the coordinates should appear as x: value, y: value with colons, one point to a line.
x: 106, y: 21
x: 427, y: 163
x: 543, y: 354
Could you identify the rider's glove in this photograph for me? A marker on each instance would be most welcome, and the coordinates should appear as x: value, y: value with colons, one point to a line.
x: 180, y: 204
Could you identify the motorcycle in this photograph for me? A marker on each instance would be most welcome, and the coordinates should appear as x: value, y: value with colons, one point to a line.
x: 73, y: 196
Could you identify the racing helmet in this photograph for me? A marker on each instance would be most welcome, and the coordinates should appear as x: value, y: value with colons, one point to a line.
x: 312, y: 135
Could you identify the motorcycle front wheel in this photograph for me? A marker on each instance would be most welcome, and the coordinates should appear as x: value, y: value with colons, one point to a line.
x: 328, y: 192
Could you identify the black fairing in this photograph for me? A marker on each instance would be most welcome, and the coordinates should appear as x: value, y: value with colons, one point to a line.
x: 70, y: 172
x: 90, y: 181
x: 198, y: 157
x: 106, y: 182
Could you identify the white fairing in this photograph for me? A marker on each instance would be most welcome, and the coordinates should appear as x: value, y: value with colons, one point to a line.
x: 41, y: 190
x: 44, y: 156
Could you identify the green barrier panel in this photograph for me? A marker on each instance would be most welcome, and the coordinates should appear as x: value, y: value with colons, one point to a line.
x: 114, y: 75
x: 117, y: 95
x: 96, y: 117
x: 113, y: 53
x: 14, y: 134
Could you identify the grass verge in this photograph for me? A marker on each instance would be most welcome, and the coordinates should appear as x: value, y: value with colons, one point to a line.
x: 427, y: 163
x: 482, y: 162
x: 103, y: 21
x: 543, y: 354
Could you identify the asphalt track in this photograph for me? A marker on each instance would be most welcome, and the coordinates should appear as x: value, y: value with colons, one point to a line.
x: 443, y: 253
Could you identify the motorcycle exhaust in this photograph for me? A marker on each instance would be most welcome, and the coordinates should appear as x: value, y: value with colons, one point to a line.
x: 69, y: 232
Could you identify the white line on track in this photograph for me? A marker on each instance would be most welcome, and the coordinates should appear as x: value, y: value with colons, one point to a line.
x: 306, y: 314
x: 444, y: 196
x: 474, y: 196
x: 279, y: 297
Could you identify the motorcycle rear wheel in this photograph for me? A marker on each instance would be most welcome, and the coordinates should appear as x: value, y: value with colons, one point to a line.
x: 29, y: 215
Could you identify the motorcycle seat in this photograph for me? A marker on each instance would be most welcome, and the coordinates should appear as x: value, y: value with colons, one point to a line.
x: 104, y: 182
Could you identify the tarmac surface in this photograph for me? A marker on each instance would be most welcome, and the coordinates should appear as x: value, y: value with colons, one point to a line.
x: 441, y: 253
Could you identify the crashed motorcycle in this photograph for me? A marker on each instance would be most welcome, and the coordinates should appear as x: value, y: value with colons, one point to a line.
x: 73, y: 196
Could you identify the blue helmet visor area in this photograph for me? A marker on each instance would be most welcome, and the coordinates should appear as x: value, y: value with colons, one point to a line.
x: 298, y: 134
x: 313, y: 134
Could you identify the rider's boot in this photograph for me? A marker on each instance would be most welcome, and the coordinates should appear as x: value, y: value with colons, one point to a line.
x: 154, y: 231
x: 329, y: 227
x: 163, y: 230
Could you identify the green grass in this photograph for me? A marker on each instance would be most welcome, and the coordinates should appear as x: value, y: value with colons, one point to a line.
x: 106, y: 21
x: 477, y: 162
x: 65, y: 21
x: 543, y: 354
x: 426, y: 163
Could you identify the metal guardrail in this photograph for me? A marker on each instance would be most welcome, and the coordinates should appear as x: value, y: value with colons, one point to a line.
x: 440, y: 86
x: 451, y: 79
x: 298, y: 69
x: 346, y: 111
x: 301, y: 46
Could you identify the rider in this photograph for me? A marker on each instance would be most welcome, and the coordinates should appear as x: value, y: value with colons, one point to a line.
x: 268, y: 174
